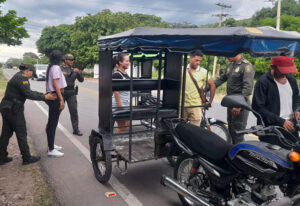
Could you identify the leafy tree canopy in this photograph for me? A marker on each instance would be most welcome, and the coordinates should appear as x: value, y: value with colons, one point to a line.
x: 13, y: 62
x: 80, y: 39
x: 55, y: 37
x: 30, y: 55
x: 11, y: 28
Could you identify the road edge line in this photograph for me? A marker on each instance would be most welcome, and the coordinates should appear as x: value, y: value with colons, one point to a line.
x: 121, y: 189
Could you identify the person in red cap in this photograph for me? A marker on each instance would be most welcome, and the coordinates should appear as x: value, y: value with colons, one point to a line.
x: 276, y: 94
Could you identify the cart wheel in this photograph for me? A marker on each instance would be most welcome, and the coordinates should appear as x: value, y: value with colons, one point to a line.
x: 101, y: 160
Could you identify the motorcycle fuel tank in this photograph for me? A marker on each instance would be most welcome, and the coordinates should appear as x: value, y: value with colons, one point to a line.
x: 265, y: 161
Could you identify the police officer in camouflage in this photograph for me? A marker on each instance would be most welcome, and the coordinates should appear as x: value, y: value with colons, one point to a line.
x: 71, y: 74
x: 12, y: 110
x: 239, y: 75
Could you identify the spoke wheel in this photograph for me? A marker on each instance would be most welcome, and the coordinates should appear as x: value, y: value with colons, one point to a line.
x: 172, y: 160
x: 101, y: 160
x: 221, y: 130
x: 182, y: 175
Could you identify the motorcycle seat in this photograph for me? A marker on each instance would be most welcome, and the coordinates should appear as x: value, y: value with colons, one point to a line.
x: 203, y: 141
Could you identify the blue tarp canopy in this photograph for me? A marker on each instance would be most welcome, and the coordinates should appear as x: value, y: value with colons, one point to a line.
x: 221, y: 41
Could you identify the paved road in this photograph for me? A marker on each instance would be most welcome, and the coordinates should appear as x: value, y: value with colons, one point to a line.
x: 72, y: 178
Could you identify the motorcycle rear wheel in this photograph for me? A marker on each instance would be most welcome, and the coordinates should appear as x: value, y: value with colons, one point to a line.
x: 182, y: 173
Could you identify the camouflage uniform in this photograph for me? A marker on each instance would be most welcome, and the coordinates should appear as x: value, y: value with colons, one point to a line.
x: 70, y: 94
x: 239, y: 76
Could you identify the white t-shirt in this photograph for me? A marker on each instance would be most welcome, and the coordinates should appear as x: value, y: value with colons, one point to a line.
x: 286, y: 99
x: 55, y: 73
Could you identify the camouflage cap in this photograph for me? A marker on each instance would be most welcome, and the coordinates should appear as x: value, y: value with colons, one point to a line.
x: 69, y: 57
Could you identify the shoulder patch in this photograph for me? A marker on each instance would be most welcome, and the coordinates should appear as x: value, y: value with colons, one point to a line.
x: 25, y: 82
x: 245, y: 61
x: 248, y: 68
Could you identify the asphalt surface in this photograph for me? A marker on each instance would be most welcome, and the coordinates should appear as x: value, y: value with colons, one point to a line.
x: 71, y: 177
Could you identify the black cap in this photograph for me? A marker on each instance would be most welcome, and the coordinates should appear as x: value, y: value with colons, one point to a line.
x: 69, y: 57
x: 55, y: 57
x: 23, y: 67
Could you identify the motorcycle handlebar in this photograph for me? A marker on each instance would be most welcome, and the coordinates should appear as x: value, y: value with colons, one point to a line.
x: 254, y: 129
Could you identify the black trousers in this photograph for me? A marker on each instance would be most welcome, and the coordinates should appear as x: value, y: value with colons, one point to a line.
x: 70, y: 97
x: 53, y: 117
x: 14, y: 122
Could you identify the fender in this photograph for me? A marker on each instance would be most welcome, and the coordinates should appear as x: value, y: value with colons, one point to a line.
x: 105, y: 136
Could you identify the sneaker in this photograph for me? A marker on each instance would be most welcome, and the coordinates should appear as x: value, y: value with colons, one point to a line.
x: 5, y: 160
x: 55, y: 153
x: 31, y: 159
x: 57, y: 147
x: 78, y: 133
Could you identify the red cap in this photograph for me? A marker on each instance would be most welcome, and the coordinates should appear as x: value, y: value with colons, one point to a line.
x: 284, y: 64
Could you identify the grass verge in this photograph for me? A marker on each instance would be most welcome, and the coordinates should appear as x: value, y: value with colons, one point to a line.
x: 3, y: 83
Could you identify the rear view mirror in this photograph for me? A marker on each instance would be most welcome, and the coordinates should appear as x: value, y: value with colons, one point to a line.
x: 235, y: 100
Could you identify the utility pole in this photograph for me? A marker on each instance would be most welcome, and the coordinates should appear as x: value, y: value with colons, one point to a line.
x: 221, y: 15
x: 278, y: 15
x: 278, y: 12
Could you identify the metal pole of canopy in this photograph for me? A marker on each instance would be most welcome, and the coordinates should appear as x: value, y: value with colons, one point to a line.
x: 158, y: 89
x: 183, y: 85
x: 205, y: 91
x: 131, y: 88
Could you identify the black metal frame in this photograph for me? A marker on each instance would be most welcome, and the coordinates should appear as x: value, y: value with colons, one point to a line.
x: 170, y: 86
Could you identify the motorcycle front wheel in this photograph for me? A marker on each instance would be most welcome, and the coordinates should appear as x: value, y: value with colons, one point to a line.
x: 182, y: 175
x: 221, y: 130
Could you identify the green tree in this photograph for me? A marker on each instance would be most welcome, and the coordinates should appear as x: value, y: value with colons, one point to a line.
x: 80, y: 39
x: 11, y: 27
x: 31, y: 55
x: 13, y: 62
x: 55, y: 37
x: 30, y: 58
x: 44, y: 60
x: 230, y: 22
x: 1, y: 64
x: 287, y: 23
x: 183, y: 25
x: 288, y: 7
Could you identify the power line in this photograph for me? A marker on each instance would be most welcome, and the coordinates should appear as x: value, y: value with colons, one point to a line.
x: 221, y: 15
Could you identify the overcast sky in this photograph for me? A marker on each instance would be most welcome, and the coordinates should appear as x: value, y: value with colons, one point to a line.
x: 41, y: 13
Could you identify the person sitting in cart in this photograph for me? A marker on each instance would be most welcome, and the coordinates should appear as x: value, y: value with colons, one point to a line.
x: 121, y: 98
x: 194, y: 93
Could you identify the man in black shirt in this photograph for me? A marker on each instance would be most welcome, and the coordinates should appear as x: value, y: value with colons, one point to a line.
x: 276, y: 94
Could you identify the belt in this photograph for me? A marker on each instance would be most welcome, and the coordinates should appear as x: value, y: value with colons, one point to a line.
x: 69, y: 88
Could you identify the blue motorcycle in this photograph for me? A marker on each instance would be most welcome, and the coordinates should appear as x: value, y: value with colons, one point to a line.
x: 211, y: 171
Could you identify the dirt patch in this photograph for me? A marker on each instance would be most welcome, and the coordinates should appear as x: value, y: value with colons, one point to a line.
x: 23, y: 185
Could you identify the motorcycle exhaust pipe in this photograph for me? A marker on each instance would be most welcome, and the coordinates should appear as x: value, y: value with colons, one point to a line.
x: 175, y: 186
